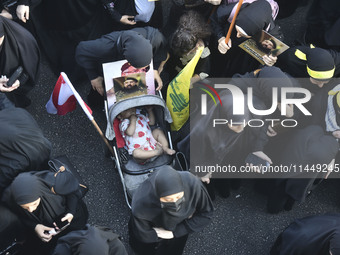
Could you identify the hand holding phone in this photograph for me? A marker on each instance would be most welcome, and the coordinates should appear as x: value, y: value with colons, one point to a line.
x: 60, y: 223
x: 14, y: 76
x: 256, y: 161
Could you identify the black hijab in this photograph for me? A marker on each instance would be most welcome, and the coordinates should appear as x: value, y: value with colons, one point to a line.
x: 146, y: 200
x: 23, y: 146
x: 90, y: 241
x: 136, y: 49
x: 255, y: 17
x: 311, y: 235
x: 28, y: 187
x: 19, y: 48
x: 263, y: 81
x: 218, y: 144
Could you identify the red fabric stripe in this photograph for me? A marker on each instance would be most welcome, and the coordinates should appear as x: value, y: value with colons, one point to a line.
x: 119, y: 138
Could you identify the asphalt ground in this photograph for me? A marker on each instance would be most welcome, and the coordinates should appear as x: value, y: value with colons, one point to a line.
x: 240, y: 224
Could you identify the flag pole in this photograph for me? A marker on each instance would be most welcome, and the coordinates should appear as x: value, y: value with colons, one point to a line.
x: 233, y: 21
x: 102, y: 136
x: 87, y: 112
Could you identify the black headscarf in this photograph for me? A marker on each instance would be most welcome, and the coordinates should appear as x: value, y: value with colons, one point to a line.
x: 23, y: 146
x: 219, y: 144
x: 263, y: 82
x: 168, y: 183
x: 255, y: 17
x: 194, y: 213
x: 136, y: 49
x: 18, y: 49
x: 311, y: 235
x: 90, y: 241
x: 28, y: 187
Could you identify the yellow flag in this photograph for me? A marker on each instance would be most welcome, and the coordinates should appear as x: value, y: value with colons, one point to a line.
x: 177, y: 98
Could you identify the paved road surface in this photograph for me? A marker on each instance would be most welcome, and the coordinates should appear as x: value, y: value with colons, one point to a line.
x: 240, y: 225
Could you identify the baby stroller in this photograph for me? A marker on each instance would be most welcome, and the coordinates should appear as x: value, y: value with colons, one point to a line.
x: 131, y: 173
x: 118, y: 76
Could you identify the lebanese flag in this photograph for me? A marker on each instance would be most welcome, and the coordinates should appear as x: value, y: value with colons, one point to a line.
x: 64, y: 97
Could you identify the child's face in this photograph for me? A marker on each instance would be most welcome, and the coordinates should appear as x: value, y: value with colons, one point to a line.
x: 127, y: 113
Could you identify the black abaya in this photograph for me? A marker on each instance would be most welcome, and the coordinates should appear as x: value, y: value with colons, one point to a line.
x: 23, y: 146
x: 19, y: 48
x: 313, y: 235
x: 193, y: 215
x: 90, y: 241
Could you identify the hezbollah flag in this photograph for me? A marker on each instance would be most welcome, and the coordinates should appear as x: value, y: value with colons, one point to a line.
x: 177, y: 98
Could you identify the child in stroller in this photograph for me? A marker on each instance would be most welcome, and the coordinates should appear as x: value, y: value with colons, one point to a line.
x: 143, y: 139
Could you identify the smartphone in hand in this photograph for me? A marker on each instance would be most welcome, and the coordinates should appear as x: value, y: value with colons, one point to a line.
x: 14, y: 76
x: 61, y: 225
x: 256, y: 161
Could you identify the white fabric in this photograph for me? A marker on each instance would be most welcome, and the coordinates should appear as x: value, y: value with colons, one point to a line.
x: 144, y: 9
x: 142, y: 138
x: 330, y: 118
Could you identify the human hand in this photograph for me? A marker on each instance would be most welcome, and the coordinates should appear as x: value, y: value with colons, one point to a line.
x: 23, y: 12
x: 336, y: 134
x: 3, y: 82
x: 43, y: 232
x: 222, y: 46
x: 269, y: 60
x: 213, y: 2
x: 263, y: 156
x: 164, y: 234
x: 158, y: 80
x: 271, y: 132
x: 206, y: 178
x: 68, y: 217
x: 126, y: 19
x: 6, y: 14
x: 97, y: 84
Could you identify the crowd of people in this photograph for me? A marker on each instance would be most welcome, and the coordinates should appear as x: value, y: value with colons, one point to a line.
x: 43, y: 208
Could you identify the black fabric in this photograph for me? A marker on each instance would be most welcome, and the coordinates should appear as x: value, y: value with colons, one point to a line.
x: 320, y: 59
x: 174, y: 246
x: 120, y: 45
x: 235, y: 146
x: 318, y: 234
x: 168, y: 183
x: 118, y: 8
x: 60, y: 25
x: 62, y: 160
x: 23, y: 146
x: 28, y: 187
x: 255, y: 17
x: 305, y: 147
x: 323, y: 24
x: 92, y: 240
x: 11, y: 228
x: 237, y: 60
x: 194, y: 214
x: 19, y: 48
x: 263, y: 82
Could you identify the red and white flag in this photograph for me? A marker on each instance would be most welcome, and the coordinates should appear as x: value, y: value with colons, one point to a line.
x: 64, y: 97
